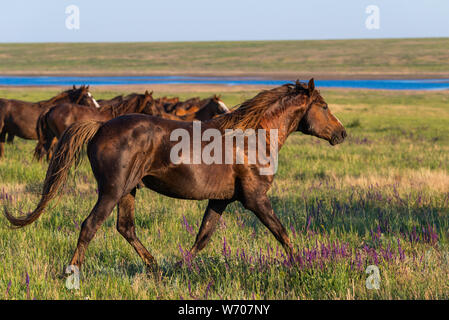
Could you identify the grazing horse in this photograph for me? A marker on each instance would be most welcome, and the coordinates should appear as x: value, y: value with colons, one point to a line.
x: 52, y: 123
x: 19, y: 118
x: 133, y: 148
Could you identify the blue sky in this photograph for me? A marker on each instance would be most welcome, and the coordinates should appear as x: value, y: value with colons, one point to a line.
x: 201, y: 20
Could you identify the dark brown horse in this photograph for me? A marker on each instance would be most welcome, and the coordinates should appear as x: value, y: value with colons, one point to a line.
x: 19, y: 118
x: 52, y: 123
x: 133, y: 148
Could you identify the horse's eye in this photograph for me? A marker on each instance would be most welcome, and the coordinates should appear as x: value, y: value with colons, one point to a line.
x: 325, y: 107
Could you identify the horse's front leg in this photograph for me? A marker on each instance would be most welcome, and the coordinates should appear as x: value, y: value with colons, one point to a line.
x: 211, y: 216
x: 261, y: 206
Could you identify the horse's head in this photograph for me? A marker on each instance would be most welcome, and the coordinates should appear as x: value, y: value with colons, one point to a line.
x: 82, y: 96
x: 148, y: 98
x: 319, y: 121
x: 213, y: 107
x: 148, y: 104
x: 220, y: 105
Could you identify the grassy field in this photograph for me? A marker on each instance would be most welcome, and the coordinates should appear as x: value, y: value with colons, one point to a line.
x: 322, y: 59
x: 381, y: 198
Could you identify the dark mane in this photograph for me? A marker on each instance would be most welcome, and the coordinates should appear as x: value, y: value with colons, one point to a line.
x: 250, y: 113
x: 63, y: 95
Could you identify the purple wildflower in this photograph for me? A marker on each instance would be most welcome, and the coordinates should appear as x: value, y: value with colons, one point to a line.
x: 27, y: 280
x: 8, y: 288
x: 208, y: 288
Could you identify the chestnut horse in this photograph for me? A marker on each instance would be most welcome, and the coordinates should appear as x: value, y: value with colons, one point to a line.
x: 52, y: 123
x: 19, y: 118
x: 133, y: 148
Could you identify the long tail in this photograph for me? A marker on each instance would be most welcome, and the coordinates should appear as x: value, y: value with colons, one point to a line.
x: 67, y: 153
x: 42, y: 135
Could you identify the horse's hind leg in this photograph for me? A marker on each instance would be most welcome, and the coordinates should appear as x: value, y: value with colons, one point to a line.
x: 10, y: 138
x: 125, y: 225
x: 2, y: 142
x: 97, y: 216
x: 261, y: 206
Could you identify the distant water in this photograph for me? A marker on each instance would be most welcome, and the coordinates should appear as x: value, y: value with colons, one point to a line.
x: 418, y: 84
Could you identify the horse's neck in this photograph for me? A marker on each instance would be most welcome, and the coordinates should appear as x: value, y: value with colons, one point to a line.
x: 51, y: 101
x: 122, y: 108
x: 285, y: 122
x: 204, y: 108
x: 139, y: 107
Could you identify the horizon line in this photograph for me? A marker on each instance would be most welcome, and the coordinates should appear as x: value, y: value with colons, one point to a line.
x: 199, y: 41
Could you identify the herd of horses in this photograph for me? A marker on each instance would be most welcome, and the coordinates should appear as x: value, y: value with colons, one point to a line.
x: 128, y: 146
x: 45, y: 121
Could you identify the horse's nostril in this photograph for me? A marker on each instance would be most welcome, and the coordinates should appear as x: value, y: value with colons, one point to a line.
x: 344, y: 134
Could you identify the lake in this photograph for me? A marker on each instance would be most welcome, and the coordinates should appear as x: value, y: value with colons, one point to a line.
x: 416, y: 84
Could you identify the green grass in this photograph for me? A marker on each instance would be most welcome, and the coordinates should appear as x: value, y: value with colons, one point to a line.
x: 406, y: 57
x: 389, y: 180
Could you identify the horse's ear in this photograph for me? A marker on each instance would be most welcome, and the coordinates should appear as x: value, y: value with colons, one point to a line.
x: 74, y: 88
x: 88, y: 87
x: 311, y: 85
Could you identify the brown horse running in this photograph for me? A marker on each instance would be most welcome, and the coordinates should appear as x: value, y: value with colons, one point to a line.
x: 133, y: 148
x: 52, y: 123
x: 19, y: 118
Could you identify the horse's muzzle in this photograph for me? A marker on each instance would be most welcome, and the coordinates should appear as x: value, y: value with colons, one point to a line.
x: 338, y: 137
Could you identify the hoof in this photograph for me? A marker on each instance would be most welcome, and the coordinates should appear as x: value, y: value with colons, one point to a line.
x: 153, y: 271
x: 179, y: 264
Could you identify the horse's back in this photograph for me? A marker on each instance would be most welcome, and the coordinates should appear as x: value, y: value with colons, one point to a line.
x: 143, y: 141
x: 61, y: 116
